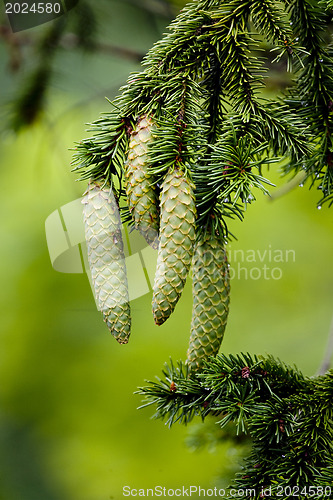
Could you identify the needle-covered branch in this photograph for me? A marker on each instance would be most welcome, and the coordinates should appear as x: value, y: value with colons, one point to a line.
x: 288, y: 416
x: 191, y: 133
x: 206, y: 76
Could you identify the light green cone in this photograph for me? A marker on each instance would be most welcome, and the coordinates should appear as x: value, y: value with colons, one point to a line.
x: 141, y: 196
x: 211, y: 291
x: 177, y: 237
x: 106, y: 258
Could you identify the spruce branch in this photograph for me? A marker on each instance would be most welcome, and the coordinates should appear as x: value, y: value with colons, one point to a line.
x: 179, y: 136
x: 230, y: 169
x: 270, y: 19
x: 201, y: 89
x: 203, y: 80
x: 288, y: 416
x: 102, y: 156
x: 312, y: 96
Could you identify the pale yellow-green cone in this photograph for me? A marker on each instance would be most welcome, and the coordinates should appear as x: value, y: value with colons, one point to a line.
x: 106, y: 258
x: 141, y: 195
x: 211, y: 291
x: 177, y: 237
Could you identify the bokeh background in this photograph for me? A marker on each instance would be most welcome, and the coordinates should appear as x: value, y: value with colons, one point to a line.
x: 69, y: 424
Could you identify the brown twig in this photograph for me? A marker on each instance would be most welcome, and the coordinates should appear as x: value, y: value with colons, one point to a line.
x: 71, y: 41
x: 67, y: 41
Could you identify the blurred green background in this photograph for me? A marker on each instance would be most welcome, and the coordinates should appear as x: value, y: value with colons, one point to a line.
x: 69, y: 424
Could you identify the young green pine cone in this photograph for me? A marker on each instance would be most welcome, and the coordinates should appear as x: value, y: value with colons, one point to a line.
x: 211, y: 289
x: 177, y: 237
x: 141, y: 196
x: 106, y: 258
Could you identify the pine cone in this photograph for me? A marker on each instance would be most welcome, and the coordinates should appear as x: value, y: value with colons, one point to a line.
x: 177, y: 237
x: 141, y: 196
x: 106, y: 258
x: 211, y: 289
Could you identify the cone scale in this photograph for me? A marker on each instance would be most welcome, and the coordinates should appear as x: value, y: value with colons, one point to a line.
x: 141, y: 196
x: 177, y: 237
x: 106, y: 258
x: 211, y: 291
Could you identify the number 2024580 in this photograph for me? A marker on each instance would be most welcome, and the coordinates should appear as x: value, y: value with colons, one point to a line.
x: 35, y: 8
x: 308, y: 492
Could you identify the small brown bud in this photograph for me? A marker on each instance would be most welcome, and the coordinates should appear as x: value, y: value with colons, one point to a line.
x: 173, y: 387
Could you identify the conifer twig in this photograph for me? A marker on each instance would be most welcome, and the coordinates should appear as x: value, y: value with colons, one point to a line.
x: 288, y: 415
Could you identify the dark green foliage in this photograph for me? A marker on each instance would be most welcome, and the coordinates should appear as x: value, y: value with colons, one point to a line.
x: 85, y: 25
x: 34, y: 55
x: 288, y: 416
x: 203, y: 84
x: 312, y: 96
x: 105, y: 152
x: 30, y: 102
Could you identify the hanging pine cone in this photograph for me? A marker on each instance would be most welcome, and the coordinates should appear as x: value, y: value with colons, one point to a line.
x: 177, y: 236
x: 211, y: 289
x: 141, y: 196
x: 106, y: 258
